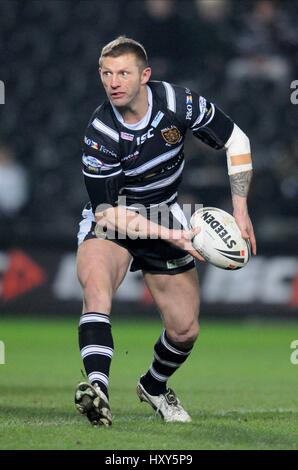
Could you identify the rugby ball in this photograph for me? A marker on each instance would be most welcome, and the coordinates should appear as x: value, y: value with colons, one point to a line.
x: 220, y: 241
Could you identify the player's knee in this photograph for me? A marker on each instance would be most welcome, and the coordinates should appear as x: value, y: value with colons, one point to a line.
x: 185, y: 335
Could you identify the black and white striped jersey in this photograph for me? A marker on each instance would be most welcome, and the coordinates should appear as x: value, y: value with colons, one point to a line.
x: 146, y: 159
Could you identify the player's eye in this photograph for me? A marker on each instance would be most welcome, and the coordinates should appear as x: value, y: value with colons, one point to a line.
x: 106, y: 73
x: 124, y: 73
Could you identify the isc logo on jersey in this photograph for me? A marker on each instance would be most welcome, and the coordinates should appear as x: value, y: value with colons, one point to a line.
x: 148, y: 135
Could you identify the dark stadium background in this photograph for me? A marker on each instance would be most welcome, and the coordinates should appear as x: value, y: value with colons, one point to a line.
x: 242, y: 54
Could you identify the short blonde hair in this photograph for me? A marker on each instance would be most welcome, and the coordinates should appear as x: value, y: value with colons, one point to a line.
x: 123, y: 45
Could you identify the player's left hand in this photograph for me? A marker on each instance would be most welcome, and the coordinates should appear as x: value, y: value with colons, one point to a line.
x: 247, y: 231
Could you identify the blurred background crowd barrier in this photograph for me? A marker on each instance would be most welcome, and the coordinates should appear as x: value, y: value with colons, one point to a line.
x: 242, y: 55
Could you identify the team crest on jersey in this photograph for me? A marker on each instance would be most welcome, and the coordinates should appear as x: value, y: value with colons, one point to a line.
x: 171, y: 135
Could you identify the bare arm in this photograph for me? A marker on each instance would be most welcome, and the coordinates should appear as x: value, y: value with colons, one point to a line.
x: 134, y: 225
x: 240, y: 183
x: 240, y: 173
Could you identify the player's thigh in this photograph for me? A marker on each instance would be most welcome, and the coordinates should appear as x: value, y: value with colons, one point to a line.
x: 177, y: 298
x: 103, y: 264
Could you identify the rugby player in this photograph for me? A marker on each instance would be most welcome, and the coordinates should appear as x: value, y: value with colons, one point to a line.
x: 133, y: 152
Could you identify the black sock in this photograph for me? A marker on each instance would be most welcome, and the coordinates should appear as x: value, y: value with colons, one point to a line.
x: 97, y: 347
x: 167, y: 359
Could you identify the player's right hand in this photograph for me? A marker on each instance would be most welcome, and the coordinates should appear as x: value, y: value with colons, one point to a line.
x: 183, y: 239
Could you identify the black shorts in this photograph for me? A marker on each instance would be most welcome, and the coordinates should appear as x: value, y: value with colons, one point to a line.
x: 154, y: 256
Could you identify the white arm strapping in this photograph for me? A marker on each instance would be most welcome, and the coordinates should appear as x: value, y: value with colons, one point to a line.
x: 238, y: 144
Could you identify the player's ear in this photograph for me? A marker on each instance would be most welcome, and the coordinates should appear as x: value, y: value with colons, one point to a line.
x: 100, y: 74
x: 145, y: 76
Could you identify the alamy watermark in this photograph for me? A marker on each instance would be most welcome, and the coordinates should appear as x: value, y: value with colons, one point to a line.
x: 294, y: 94
x: 294, y: 355
x: 125, y: 222
x: 2, y: 353
x: 2, y: 92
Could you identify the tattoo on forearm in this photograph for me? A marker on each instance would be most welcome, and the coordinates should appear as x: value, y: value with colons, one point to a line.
x: 240, y: 183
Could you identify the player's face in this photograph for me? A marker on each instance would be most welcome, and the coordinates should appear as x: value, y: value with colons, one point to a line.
x: 123, y: 79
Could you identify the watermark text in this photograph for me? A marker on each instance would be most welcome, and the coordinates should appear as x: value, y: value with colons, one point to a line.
x: 140, y: 222
x: 2, y: 353
x: 2, y: 92
x: 294, y: 355
x: 294, y: 94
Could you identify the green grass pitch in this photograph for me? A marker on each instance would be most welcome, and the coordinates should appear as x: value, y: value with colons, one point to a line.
x: 239, y: 386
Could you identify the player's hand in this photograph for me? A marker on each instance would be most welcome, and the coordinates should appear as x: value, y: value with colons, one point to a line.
x: 182, y: 239
x: 247, y: 231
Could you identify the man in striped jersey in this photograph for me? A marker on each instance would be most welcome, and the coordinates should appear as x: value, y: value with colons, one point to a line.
x: 133, y: 151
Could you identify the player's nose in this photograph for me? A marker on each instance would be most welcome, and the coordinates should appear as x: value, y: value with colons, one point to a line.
x: 114, y: 81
